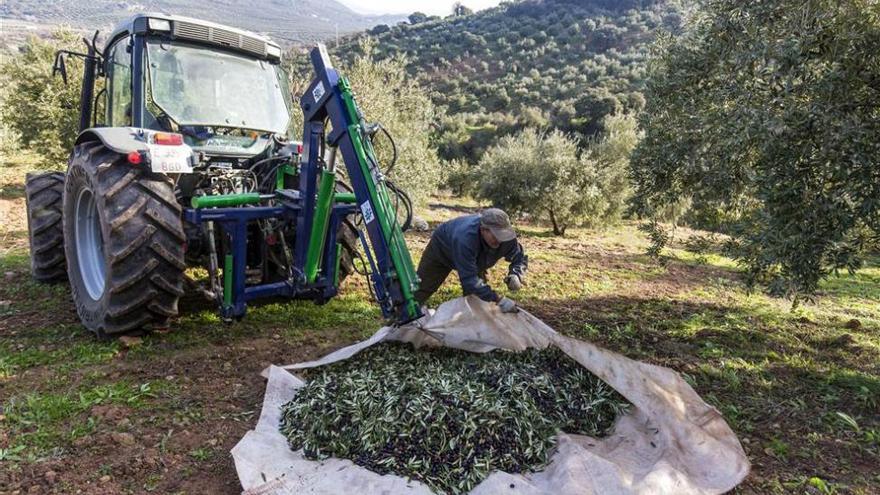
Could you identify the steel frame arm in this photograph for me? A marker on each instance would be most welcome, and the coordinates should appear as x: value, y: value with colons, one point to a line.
x: 329, y: 97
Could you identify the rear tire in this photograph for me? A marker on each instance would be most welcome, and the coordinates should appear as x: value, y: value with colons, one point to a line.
x: 125, y: 242
x: 43, y: 196
x: 347, y: 237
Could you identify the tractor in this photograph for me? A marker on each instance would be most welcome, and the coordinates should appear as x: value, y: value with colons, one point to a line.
x: 187, y: 180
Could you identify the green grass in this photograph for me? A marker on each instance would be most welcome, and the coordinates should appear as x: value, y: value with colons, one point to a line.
x: 201, y: 454
x: 43, y: 423
x: 66, y: 354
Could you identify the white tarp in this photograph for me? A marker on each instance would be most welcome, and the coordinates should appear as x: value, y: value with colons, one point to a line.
x: 670, y: 442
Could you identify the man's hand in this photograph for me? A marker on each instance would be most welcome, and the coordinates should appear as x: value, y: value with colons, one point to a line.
x: 513, y: 282
x: 507, y: 305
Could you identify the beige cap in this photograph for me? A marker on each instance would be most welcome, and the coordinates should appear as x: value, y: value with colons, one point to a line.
x: 498, y: 223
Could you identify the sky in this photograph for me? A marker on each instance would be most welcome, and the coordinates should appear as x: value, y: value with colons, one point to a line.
x: 435, y: 7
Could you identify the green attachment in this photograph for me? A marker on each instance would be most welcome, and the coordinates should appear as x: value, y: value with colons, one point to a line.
x: 227, y: 281
x: 348, y: 198
x: 380, y: 199
x: 320, y: 223
x: 224, y: 200
x: 283, y: 171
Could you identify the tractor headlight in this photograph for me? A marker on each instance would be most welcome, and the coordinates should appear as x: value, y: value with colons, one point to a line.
x: 159, y: 24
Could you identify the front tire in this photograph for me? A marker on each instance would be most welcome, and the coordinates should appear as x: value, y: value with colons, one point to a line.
x: 124, y: 242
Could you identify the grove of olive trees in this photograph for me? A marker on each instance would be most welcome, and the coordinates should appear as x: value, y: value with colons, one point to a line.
x: 766, y: 115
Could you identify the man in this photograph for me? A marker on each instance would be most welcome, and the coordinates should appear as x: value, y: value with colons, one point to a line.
x: 471, y: 245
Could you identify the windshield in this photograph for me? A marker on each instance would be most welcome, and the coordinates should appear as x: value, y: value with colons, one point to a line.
x: 195, y: 85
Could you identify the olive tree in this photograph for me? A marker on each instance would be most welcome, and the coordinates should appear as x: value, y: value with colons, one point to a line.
x: 460, y: 10
x: 540, y: 173
x: 532, y: 172
x: 770, y: 111
x: 459, y: 176
x: 417, y: 18
x: 387, y: 95
x: 38, y: 108
x: 609, y: 154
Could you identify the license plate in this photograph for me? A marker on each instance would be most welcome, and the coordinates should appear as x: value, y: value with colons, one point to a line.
x: 170, y: 159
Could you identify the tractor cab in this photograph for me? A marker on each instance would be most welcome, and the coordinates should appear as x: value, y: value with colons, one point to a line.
x: 223, y: 89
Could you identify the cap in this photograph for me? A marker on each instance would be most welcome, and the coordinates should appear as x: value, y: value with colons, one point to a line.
x: 498, y: 223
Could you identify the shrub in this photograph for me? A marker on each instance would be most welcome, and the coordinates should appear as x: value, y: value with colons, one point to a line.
x: 541, y: 174
x: 38, y: 108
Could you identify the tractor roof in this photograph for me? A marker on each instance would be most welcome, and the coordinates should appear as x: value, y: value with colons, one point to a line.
x: 197, y: 30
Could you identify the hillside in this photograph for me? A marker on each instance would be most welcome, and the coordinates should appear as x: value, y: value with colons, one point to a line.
x: 285, y: 20
x: 558, y: 63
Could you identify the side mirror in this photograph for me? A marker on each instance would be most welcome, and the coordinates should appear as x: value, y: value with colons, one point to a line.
x: 59, y: 66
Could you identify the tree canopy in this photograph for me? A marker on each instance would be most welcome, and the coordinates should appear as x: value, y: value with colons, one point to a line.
x: 770, y: 112
x: 41, y: 109
x: 544, y: 175
x: 417, y: 17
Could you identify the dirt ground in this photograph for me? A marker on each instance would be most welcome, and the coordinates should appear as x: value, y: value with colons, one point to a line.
x: 159, y: 413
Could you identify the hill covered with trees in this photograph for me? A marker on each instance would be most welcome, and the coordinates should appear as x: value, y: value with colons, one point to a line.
x: 560, y: 64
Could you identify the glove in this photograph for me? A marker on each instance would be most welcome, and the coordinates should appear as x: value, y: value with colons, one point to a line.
x: 513, y: 282
x: 507, y: 305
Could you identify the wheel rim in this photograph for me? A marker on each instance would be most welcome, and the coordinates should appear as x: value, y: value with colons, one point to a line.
x: 89, y: 244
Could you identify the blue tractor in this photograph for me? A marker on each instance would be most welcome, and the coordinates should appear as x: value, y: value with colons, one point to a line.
x: 184, y: 165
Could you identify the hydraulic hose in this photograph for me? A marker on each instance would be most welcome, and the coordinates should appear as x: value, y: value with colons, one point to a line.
x: 401, y: 197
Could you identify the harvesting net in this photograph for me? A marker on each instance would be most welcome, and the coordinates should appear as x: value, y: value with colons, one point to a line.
x: 667, y: 441
x: 447, y: 417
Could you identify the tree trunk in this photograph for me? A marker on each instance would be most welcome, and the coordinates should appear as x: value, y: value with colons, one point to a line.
x: 557, y: 228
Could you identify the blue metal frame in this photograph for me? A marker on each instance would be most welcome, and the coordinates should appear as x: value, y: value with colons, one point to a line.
x: 323, y: 100
x: 234, y: 223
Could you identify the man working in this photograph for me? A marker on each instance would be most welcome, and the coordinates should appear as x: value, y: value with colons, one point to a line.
x: 471, y: 245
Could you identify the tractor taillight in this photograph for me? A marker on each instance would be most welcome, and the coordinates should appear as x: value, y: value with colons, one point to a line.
x: 168, y: 138
x: 135, y: 158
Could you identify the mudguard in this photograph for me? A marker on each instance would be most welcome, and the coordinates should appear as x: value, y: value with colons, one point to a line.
x: 119, y: 139
x: 163, y: 158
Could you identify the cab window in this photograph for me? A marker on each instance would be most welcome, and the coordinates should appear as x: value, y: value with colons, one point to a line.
x: 119, y: 84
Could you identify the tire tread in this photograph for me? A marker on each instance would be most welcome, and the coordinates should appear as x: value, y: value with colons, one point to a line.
x: 145, y: 250
x: 43, y: 196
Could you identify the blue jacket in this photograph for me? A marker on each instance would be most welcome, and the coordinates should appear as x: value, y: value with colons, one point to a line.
x: 463, y: 249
